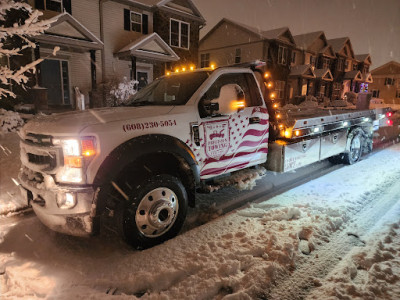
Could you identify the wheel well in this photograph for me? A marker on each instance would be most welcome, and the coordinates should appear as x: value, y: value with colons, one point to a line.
x: 152, y: 164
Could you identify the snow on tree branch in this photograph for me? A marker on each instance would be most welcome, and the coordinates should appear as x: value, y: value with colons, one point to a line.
x: 23, y: 31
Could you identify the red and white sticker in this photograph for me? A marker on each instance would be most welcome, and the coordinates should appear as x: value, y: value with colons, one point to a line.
x: 216, y: 138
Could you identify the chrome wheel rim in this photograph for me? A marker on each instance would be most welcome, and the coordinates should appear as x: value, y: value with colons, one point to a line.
x: 157, y: 212
x: 355, y: 148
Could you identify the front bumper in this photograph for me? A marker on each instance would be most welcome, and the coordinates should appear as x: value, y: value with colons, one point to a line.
x: 77, y: 221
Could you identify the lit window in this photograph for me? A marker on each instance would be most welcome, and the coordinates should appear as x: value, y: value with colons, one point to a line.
x: 179, y: 34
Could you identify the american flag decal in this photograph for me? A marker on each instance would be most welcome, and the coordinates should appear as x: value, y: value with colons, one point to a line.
x: 247, y: 143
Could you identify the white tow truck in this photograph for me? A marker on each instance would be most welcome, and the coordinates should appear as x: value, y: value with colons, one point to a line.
x: 140, y: 164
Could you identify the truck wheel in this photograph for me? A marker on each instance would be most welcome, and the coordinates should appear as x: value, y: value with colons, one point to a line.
x: 156, y: 212
x: 356, y: 147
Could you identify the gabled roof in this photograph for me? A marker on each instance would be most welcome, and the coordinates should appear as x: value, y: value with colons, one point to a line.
x: 304, y: 41
x: 353, y: 75
x: 324, y: 74
x: 248, y: 29
x: 365, y: 58
x: 338, y: 43
x: 390, y: 68
x: 280, y: 34
x: 328, y: 51
x: 302, y: 71
x: 67, y: 31
x: 367, y: 77
x: 151, y: 47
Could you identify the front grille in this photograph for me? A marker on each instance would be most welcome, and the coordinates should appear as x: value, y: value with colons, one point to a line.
x: 38, y: 139
x: 42, y: 160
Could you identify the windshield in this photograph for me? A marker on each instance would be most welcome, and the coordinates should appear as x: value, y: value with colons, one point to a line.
x: 169, y: 90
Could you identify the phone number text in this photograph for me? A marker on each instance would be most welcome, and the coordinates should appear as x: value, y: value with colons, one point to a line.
x: 148, y: 125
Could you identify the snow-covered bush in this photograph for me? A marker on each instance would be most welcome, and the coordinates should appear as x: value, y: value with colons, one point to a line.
x: 10, y: 121
x: 122, y: 91
x: 15, y: 34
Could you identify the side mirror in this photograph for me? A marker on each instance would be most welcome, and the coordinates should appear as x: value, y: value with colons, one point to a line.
x: 230, y: 100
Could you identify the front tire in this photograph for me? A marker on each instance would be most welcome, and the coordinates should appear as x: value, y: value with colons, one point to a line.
x: 155, y: 212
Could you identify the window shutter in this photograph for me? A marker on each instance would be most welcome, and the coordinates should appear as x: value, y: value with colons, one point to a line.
x: 39, y: 4
x: 67, y: 6
x: 145, y: 24
x: 127, y: 19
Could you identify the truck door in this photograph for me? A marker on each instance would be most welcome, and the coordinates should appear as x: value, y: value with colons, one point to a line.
x: 232, y: 142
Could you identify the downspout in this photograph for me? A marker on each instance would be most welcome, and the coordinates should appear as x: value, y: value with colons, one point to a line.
x: 103, y: 56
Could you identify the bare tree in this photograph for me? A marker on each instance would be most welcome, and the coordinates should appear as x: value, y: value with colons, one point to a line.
x: 16, y: 37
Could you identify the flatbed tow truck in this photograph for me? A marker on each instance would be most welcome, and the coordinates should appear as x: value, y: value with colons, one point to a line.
x: 141, y: 164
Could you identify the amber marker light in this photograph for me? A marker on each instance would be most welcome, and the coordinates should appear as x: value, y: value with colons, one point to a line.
x: 177, y: 70
x: 88, y: 148
x: 168, y: 73
x: 192, y: 68
x: 183, y: 69
x: 297, y: 133
x: 266, y: 75
x: 269, y: 85
x: 212, y: 66
x: 73, y: 161
x: 288, y: 133
x: 278, y: 116
x: 239, y: 104
x: 275, y: 105
x: 272, y: 95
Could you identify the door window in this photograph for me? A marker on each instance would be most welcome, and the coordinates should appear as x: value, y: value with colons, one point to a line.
x: 55, y: 77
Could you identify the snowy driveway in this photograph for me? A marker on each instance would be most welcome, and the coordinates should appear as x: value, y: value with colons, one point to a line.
x: 334, y: 236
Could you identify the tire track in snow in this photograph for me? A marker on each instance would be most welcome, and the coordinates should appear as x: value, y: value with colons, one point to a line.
x: 318, y: 265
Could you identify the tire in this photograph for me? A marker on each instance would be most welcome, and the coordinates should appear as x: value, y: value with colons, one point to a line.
x: 155, y: 212
x: 356, y: 138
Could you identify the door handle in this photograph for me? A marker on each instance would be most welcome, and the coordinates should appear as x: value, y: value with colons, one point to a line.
x: 254, y: 120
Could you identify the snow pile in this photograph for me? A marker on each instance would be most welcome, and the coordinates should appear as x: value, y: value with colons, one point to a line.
x: 10, y: 121
x: 124, y: 90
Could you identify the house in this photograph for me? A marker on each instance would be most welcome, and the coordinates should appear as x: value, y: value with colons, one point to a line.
x: 107, y: 40
x: 386, y: 83
x: 364, y: 62
x: 314, y: 56
x: 230, y: 42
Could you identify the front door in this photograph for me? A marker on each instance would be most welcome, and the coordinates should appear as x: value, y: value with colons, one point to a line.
x: 142, y: 78
x: 56, y: 79
x: 230, y: 143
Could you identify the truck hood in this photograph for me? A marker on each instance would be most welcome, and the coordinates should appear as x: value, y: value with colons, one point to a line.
x: 74, y: 122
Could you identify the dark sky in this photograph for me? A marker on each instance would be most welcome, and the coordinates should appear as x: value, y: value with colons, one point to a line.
x: 373, y: 26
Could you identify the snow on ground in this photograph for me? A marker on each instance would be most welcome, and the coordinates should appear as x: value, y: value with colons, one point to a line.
x: 10, y: 197
x: 246, y: 254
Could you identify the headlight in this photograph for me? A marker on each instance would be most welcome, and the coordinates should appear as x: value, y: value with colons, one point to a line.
x: 77, y: 155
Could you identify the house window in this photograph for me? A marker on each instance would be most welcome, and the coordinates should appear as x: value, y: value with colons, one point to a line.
x: 346, y: 64
x: 282, y: 55
x: 397, y: 93
x: 136, y: 21
x: 280, y: 89
x: 293, y: 57
x: 326, y: 63
x: 238, y: 55
x: 336, y: 90
x: 179, y: 34
x: 205, y: 60
x: 355, y: 66
x: 340, y: 64
x: 54, y: 5
x: 312, y: 60
x: 389, y: 81
x: 375, y: 93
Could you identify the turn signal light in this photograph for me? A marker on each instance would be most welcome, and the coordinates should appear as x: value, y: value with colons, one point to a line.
x: 73, y: 161
x: 88, y: 148
x: 240, y: 104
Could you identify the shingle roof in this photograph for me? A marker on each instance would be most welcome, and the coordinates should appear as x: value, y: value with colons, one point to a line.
x: 300, y: 70
x: 337, y: 44
x: 303, y: 41
x: 274, y: 33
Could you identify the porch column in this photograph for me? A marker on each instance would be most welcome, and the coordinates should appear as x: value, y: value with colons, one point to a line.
x: 36, y: 53
x: 133, y: 69
x: 93, y: 69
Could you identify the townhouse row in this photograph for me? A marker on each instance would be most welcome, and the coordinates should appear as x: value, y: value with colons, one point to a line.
x: 301, y: 65
x: 103, y: 41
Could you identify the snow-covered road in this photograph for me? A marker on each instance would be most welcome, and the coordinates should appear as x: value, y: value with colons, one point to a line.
x: 336, y: 236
